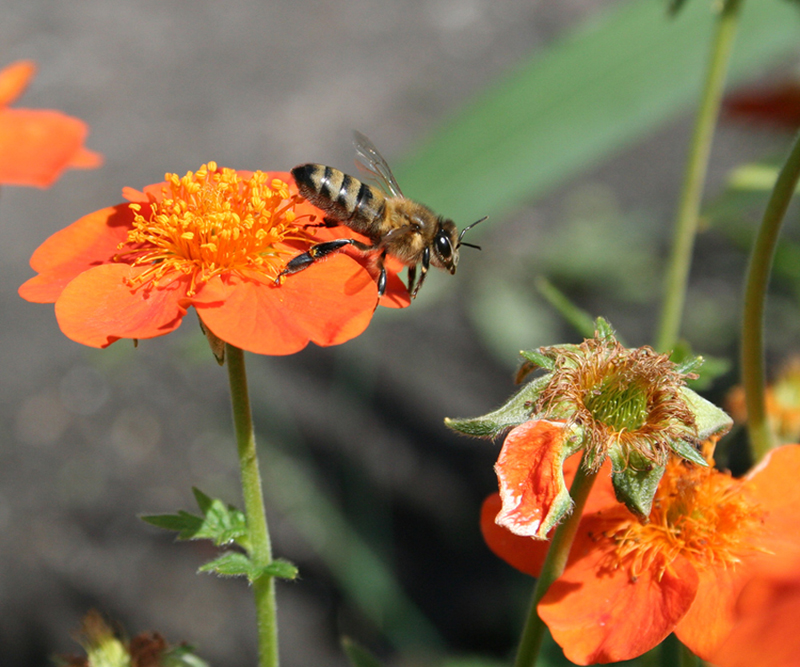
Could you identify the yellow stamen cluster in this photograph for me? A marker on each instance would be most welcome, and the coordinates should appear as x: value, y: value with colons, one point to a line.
x: 620, y: 397
x: 209, y: 222
x: 698, y: 513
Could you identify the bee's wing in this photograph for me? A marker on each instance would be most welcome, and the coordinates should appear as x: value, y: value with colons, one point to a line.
x: 372, y: 163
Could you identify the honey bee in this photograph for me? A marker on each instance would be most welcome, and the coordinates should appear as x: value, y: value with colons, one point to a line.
x: 396, y: 226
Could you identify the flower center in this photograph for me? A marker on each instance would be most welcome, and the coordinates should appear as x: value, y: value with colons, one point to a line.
x: 212, y: 221
x: 699, y: 513
x: 618, y: 404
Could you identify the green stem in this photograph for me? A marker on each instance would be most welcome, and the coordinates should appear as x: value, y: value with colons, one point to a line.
x: 260, y: 550
x: 554, y: 564
x: 694, y: 178
x: 758, y: 270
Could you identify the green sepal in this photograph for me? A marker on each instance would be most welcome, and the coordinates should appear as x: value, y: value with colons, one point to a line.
x: 182, y: 656
x: 538, y: 359
x: 603, y: 330
x: 635, y: 481
x: 219, y: 522
x: 235, y: 564
x: 689, y: 452
x: 709, y: 419
x: 688, y: 362
x: 357, y: 655
x: 519, y: 409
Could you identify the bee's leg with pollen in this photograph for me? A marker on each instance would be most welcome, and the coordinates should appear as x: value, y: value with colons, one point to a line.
x: 318, y: 251
x: 426, y: 262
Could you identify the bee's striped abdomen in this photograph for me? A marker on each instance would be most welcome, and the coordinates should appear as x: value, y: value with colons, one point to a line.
x: 342, y: 197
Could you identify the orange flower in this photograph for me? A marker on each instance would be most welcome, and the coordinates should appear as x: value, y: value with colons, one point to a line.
x: 628, y: 584
x: 36, y: 145
x: 765, y: 634
x: 215, y: 239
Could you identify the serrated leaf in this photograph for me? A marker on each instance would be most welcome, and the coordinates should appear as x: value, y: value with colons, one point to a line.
x: 185, y: 524
x: 236, y: 564
x: 603, y: 330
x: 357, y: 655
x: 709, y: 419
x: 514, y: 412
x: 220, y: 523
x: 635, y: 482
x: 229, y: 564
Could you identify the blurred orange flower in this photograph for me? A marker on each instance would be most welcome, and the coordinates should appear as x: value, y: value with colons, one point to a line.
x: 36, y: 145
x: 215, y: 239
x: 627, y: 584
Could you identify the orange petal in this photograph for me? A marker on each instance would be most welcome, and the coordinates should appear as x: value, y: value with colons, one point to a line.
x: 14, y: 79
x: 36, y: 145
x: 529, y: 470
x: 597, y: 614
x: 98, y: 308
x: 523, y: 553
x: 711, y: 616
x: 767, y: 612
x: 90, y: 241
x: 328, y: 303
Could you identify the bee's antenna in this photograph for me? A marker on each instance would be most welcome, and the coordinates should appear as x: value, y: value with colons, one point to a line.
x: 465, y: 230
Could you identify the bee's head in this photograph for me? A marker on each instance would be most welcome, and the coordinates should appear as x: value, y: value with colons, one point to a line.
x: 447, y: 242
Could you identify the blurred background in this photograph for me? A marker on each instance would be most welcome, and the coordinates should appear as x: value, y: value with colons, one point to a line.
x: 566, y: 122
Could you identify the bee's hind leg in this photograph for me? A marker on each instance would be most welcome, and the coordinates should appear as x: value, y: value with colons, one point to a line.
x: 316, y: 252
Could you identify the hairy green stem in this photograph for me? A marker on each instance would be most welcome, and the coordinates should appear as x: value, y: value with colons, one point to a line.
x: 260, y: 549
x: 688, y: 214
x: 554, y: 564
x: 758, y: 270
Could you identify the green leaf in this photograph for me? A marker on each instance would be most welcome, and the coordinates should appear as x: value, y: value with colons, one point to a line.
x: 358, y: 655
x: 230, y: 564
x: 236, y: 564
x: 635, y: 481
x: 516, y: 411
x: 598, y: 89
x: 710, y: 419
x: 219, y: 523
x: 182, y: 656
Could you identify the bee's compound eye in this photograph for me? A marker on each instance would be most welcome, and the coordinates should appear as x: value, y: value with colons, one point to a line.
x: 443, y: 246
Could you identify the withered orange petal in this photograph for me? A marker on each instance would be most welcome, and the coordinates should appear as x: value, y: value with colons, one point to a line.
x: 87, y: 242
x: 598, y: 614
x: 529, y: 470
x: 328, y: 303
x: 14, y: 78
x: 523, y: 553
x: 766, y: 630
x: 98, y: 308
x: 36, y: 145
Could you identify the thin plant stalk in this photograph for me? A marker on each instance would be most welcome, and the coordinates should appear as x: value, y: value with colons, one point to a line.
x: 757, y: 281
x: 688, y: 215
x: 260, y: 548
x: 556, y: 560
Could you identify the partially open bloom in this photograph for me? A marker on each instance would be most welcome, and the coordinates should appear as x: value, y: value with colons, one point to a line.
x: 37, y: 145
x: 627, y: 405
x: 629, y: 584
x: 215, y: 239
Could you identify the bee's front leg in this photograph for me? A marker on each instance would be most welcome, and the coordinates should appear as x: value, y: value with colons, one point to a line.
x: 426, y: 262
